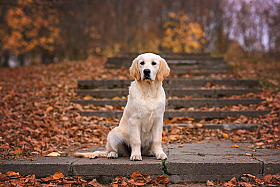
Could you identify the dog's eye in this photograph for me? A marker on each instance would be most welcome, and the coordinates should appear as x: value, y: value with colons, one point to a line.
x: 153, y: 63
x: 142, y: 63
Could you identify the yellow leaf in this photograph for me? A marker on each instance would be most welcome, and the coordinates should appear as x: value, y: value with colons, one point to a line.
x: 116, y: 98
x: 234, y: 146
x: 248, y: 154
x: 58, y: 175
x: 50, y: 108
x: 236, y: 137
x: 225, y: 135
x: 87, y: 95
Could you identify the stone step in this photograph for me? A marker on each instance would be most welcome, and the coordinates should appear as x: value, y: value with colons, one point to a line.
x: 170, y: 92
x: 177, y: 103
x: 198, y: 67
x: 118, y: 62
x: 181, y: 62
x: 169, y: 114
x: 168, y: 83
x: 201, y: 72
x: 194, y: 162
x: 169, y: 55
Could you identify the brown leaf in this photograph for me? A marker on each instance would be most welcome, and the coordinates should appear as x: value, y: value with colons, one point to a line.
x: 245, y: 184
x: 58, y: 175
x: 267, y: 178
x: 94, y: 183
x: 233, y: 180
x: 181, y: 182
x: 162, y: 180
x: 3, y: 177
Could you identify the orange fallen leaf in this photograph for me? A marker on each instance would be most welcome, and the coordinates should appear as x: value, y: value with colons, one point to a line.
x: 181, y: 145
x: 50, y: 108
x: 234, y: 146
x: 58, y: 175
x: 225, y: 135
x: 12, y: 174
x: 16, y: 152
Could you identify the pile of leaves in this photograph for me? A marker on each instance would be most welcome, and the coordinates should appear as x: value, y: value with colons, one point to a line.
x: 137, y: 179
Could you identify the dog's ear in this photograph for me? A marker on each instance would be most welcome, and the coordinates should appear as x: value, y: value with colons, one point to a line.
x: 134, y: 71
x: 163, y: 70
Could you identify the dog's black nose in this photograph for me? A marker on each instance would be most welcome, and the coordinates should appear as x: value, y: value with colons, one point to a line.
x: 147, y: 72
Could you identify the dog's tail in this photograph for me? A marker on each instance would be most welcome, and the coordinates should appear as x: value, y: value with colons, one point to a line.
x: 95, y: 154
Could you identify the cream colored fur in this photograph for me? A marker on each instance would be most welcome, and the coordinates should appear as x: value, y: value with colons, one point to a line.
x: 141, y: 125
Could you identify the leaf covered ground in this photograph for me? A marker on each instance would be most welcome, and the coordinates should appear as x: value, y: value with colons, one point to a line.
x: 137, y: 179
x: 34, y: 102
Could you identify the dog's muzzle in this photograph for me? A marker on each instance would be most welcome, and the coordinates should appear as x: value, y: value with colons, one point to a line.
x: 147, y: 74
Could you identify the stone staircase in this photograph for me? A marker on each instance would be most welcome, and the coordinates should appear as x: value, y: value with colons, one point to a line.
x: 193, y: 97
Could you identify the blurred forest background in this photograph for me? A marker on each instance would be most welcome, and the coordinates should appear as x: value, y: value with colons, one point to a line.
x: 46, y: 31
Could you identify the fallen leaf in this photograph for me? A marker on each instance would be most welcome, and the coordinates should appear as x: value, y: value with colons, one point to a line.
x: 234, y: 146
x: 12, y: 174
x: 259, y: 143
x: 1, y: 88
x: 3, y: 177
x: 58, y: 175
x: 180, y: 146
x: 87, y: 97
x: 50, y: 108
x: 209, y: 183
x: 162, y: 180
x: 16, y: 152
x: 225, y: 135
x: 54, y: 154
x: 267, y: 178
x: 116, y: 98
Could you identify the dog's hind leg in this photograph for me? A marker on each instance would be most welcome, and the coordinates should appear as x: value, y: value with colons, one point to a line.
x: 114, y: 140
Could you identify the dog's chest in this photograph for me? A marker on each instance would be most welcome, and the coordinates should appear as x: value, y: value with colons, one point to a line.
x: 150, y: 111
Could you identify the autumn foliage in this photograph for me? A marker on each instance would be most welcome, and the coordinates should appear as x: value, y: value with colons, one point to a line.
x: 182, y: 35
x: 31, y: 25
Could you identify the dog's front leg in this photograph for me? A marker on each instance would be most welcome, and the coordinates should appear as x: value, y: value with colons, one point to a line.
x: 135, y: 141
x: 156, y: 148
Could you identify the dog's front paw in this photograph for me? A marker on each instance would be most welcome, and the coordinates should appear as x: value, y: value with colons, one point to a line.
x: 161, y: 156
x: 112, y: 155
x: 135, y: 157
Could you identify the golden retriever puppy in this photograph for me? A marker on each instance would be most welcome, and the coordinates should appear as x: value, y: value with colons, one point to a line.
x: 140, y: 129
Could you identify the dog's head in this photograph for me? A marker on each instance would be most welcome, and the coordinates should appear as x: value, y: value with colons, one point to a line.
x: 149, y: 67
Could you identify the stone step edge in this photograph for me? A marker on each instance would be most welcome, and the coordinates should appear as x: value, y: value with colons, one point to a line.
x: 168, y: 82
x: 227, y: 126
x: 198, y: 115
x: 180, y: 165
x: 176, y: 103
x: 110, y: 93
